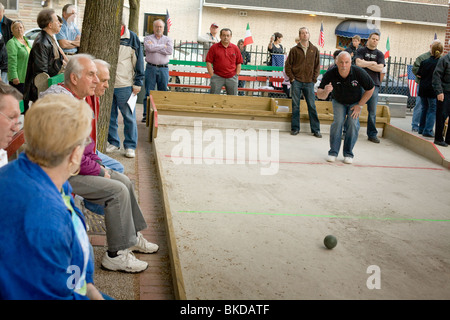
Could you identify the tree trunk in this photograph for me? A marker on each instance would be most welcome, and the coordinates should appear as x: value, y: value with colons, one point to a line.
x: 101, y: 38
x: 133, y: 21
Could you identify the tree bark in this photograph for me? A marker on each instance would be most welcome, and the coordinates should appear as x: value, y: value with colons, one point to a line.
x: 101, y: 38
x: 133, y: 21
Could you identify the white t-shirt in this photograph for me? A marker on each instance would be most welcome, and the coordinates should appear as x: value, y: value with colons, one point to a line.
x: 3, y: 158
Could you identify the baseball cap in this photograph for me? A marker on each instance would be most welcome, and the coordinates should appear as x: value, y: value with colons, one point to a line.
x: 214, y: 25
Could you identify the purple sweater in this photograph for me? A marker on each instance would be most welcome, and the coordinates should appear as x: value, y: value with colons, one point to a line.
x: 91, y: 163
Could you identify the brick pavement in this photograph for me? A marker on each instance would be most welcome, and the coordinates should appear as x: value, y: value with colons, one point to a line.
x: 155, y: 283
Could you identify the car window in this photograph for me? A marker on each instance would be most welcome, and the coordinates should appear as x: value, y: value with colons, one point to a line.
x: 32, y: 34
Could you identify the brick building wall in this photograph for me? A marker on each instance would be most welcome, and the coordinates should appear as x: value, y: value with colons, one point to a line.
x: 447, y: 33
x: 29, y: 9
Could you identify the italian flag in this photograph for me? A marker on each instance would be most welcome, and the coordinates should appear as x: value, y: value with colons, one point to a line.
x: 388, y: 48
x: 248, y: 36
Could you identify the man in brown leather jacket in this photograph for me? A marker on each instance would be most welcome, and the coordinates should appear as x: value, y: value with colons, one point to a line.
x: 303, y: 67
x: 45, y: 56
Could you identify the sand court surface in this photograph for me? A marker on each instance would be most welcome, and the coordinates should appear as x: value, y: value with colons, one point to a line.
x: 254, y: 229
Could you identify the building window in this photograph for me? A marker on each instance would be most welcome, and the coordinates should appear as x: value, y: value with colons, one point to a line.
x: 10, y: 4
x: 149, y: 18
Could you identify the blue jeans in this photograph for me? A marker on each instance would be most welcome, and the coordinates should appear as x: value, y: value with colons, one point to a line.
x: 121, y: 96
x: 428, y: 115
x: 154, y: 77
x: 112, y: 164
x: 372, y: 117
x: 307, y: 88
x: 343, y: 116
x: 417, y: 112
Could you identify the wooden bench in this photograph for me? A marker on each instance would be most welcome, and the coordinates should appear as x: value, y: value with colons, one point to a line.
x: 196, y: 71
x: 14, y: 146
x: 248, y: 108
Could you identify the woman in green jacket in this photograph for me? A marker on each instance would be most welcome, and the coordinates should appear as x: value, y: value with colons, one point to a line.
x: 18, y: 52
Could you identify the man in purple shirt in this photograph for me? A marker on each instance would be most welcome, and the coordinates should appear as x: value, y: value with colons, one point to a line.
x: 158, y: 49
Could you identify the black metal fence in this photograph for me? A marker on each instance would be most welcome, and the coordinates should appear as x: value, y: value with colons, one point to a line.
x: 395, y: 80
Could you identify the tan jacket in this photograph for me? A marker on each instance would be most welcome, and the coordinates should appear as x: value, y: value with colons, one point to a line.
x: 301, y: 67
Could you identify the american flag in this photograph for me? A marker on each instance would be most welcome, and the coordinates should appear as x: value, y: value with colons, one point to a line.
x: 278, y: 61
x: 412, y: 84
x: 169, y: 21
x: 321, y: 36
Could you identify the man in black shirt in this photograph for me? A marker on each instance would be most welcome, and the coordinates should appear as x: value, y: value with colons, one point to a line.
x: 372, y: 60
x: 347, y: 82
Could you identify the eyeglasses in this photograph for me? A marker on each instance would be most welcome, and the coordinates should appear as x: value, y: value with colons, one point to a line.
x: 17, y: 124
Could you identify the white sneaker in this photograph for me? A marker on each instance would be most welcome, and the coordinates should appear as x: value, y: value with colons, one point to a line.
x: 331, y: 158
x: 144, y: 246
x: 125, y: 261
x: 348, y: 160
x: 111, y: 148
x: 129, y: 153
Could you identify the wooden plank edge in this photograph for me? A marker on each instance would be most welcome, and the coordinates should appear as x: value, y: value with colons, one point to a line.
x: 177, y: 274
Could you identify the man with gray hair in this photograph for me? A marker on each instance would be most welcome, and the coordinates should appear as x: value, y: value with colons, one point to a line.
x: 158, y: 49
x: 352, y: 87
x: 98, y: 184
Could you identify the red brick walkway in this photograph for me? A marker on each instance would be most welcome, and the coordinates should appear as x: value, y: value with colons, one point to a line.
x: 155, y: 282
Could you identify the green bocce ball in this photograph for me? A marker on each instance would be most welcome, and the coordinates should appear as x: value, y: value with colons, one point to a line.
x: 330, y: 241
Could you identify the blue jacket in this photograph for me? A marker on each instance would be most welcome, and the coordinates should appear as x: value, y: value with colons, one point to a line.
x: 39, y: 248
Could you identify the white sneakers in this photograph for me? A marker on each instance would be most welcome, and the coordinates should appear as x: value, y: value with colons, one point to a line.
x: 347, y: 160
x: 129, y: 153
x: 111, y: 148
x: 126, y: 261
x: 144, y: 246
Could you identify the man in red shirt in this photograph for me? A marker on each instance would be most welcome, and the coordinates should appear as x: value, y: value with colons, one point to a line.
x: 223, y: 62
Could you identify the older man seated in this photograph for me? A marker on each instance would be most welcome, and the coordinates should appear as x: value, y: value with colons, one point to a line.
x: 103, y: 186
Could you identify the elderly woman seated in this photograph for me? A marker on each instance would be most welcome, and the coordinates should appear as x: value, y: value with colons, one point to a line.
x: 44, y: 248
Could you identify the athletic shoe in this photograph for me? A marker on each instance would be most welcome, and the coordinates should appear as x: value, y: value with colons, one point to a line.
x: 441, y: 143
x: 125, y: 261
x: 144, y: 246
x: 317, y: 134
x: 111, y: 147
x: 331, y: 158
x: 374, y: 139
x: 129, y: 153
x: 348, y: 160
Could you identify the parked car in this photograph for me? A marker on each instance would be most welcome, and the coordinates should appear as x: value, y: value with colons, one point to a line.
x: 31, y: 35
